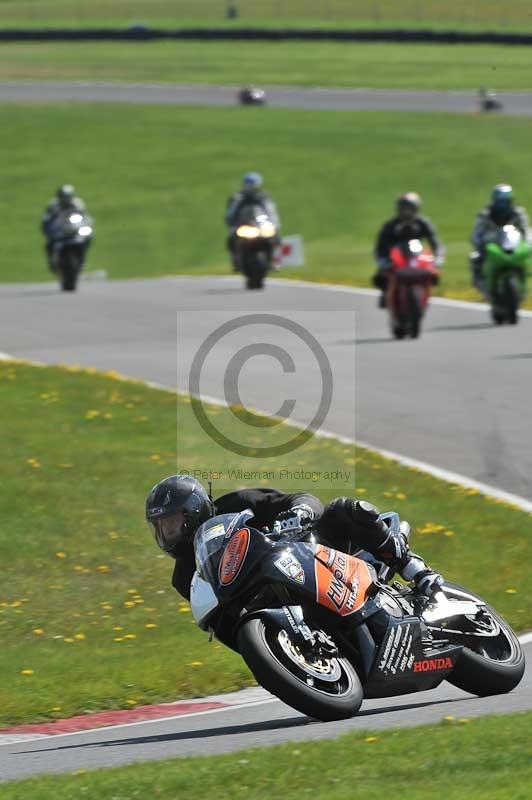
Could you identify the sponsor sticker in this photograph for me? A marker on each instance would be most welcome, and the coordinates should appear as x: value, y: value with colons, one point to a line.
x: 431, y: 664
x: 234, y: 555
x: 342, y: 581
x: 290, y: 566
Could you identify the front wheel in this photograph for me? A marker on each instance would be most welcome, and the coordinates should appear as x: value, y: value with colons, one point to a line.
x: 492, y: 661
x: 323, y: 686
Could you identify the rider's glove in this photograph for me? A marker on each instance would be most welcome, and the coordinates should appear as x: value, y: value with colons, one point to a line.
x: 293, y: 521
x: 426, y: 581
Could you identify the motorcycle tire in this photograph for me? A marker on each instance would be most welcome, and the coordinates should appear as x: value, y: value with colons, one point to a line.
x: 479, y: 671
x: 69, y: 270
x: 414, y: 314
x: 281, y: 668
x: 512, y: 301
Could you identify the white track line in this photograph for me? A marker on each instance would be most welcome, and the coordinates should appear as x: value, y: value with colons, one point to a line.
x: 28, y: 737
x: 430, y: 469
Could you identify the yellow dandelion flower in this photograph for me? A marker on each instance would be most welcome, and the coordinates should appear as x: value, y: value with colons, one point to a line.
x: 129, y: 604
x: 15, y: 603
x: 118, y: 639
x: 449, y: 718
x: 68, y: 639
x: 401, y: 496
x: 117, y: 628
x: 79, y: 636
x: 511, y: 591
x: 155, y: 457
x: 150, y: 625
x: 371, y: 739
x: 77, y: 568
x: 26, y: 672
x: 131, y: 702
x: 92, y: 414
x: 132, y: 591
x: 61, y: 554
x: 130, y: 636
x: 113, y: 535
x: 33, y: 463
x: 103, y: 568
x: 184, y: 610
x: 38, y: 631
x: 56, y: 708
x: 107, y: 415
x: 196, y: 664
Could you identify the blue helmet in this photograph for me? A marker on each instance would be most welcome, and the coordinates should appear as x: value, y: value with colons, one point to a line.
x: 251, y: 182
x: 502, y: 198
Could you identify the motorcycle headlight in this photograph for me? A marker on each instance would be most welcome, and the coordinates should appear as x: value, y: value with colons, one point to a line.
x: 85, y: 230
x: 267, y: 230
x: 75, y: 219
x: 248, y: 232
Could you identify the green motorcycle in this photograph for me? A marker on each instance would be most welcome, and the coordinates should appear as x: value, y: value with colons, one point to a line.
x: 504, y: 274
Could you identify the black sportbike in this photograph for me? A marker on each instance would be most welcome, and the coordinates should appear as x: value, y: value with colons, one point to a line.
x: 322, y: 629
x: 255, y: 239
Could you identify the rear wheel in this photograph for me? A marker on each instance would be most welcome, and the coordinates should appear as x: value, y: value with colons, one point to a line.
x: 323, y: 686
x: 492, y: 661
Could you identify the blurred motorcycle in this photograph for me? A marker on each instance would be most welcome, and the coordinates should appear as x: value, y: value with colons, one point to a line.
x: 252, y: 96
x: 504, y: 273
x: 70, y: 235
x: 255, y: 240
x: 413, y: 272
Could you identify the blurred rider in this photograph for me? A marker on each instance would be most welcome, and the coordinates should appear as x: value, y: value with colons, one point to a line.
x: 500, y: 211
x: 407, y: 224
x: 179, y: 504
x: 251, y: 193
x: 65, y: 201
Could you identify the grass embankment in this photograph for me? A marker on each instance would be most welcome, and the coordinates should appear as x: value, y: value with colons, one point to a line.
x: 157, y: 178
x: 479, y: 759
x: 88, y: 618
x: 366, y: 65
x: 480, y: 14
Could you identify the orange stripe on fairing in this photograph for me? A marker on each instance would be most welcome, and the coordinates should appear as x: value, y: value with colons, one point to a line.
x: 342, y: 581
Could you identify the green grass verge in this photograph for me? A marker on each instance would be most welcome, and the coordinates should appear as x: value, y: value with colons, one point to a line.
x: 338, y: 13
x: 88, y: 618
x: 157, y: 178
x: 366, y: 65
x: 479, y: 759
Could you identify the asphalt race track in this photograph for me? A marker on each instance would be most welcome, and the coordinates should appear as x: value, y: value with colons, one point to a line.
x: 516, y: 103
x: 457, y: 398
x: 265, y: 721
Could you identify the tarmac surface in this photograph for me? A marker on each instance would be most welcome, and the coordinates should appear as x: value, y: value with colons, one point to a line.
x: 457, y: 398
x: 514, y: 103
x: 260, y: 720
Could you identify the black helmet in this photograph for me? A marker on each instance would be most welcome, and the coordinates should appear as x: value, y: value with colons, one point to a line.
x: 409, y: 202
x: 65, y: 194
x: 175, y: 508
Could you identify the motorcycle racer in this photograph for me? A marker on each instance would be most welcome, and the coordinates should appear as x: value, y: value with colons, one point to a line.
x: 65, y: 201
x: 407, y: 224
x: 500, y: 211
x: 251, y: 192
x: 177, y: 505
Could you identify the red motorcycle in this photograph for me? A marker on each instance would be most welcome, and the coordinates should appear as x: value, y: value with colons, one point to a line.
x: 412, y: 272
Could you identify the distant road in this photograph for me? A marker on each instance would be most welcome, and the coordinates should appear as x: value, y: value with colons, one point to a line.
x: 516, y: 103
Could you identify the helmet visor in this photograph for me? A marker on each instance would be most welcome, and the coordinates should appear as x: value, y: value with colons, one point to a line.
x: 169, y: 532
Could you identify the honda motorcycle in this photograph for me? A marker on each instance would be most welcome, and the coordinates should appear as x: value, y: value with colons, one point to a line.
x: 321, y: 629
x: 504, y: 274
x: 71, y: 235
x: 255, y: 240
x: 412, y: 273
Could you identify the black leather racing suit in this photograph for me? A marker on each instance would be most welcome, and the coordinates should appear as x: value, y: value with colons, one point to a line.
x: 399, y: 231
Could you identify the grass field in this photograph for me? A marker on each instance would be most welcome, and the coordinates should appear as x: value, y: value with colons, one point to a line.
x: 479, y: 759
x: 88, y: 619
x: 156, y: 180
x: 389, y: 66
x: 175, y: 13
